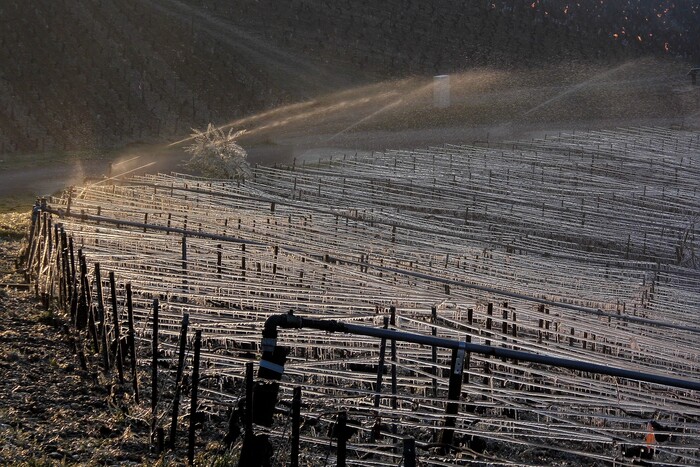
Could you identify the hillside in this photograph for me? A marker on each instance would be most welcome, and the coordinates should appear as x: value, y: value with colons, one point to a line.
x: 82, y: 75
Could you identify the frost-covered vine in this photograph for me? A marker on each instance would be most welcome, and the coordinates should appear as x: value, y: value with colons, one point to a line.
x: 217, y: 154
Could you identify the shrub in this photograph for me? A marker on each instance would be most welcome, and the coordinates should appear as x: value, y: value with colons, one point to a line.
x: 217, y: 154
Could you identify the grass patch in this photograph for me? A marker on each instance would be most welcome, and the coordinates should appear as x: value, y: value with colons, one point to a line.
x: 13, y: 204
x: 48, y: 318
x: 14, y: 225
x: 30, y: 160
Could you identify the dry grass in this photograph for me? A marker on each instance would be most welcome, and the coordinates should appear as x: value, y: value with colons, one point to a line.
x: 14, y: 225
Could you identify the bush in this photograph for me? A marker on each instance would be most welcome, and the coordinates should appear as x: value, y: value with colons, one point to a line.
x: 217, y: 154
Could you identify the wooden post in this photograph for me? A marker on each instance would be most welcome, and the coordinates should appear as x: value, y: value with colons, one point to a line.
x: 66, y: 284
x: 63, y: 268
x: 243, y: 267
x: 73, y: 279
x: 433, y: 318
x: 102, y: 328
x: 154, y: 368
x: 56, y: 247
x: 394, y: 389
x: 453, y: 395
x: 117, y: 337
x: 85, y: 316
x: 489, y: 322
x: 409, y: 452
x: 40, y: 251
x: 184, y: 264
x: 178, y: 378
x: 380, y: 366
x: 376, y: 431
x: 184, y: 253
x: 274, y: 263
x: 249, y: 373
x: 131, y: 338
x: 218, y: 261
x: 504, y: 326
x: 341, y: 429
x: 160, y: 439
x: 194, y: 416
x: 27, y: 257
x: 468, y: 339
x: 296, y: 421
x: 49, y: 241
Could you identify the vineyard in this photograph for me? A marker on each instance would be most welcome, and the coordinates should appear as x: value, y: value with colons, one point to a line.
x: 581, y: 247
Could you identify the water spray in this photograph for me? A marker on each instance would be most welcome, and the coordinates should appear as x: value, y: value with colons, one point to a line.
x: 114, y: 177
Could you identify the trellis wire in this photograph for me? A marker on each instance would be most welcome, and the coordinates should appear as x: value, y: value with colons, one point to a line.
x: 533, y: 228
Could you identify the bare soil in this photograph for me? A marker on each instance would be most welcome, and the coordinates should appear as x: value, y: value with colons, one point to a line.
x: 53, y: 411
x: 50, y: 410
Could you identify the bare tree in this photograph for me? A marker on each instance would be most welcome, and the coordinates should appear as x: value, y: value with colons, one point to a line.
x: 217, y: 154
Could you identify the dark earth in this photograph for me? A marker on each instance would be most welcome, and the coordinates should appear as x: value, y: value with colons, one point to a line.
x: 51, y: 411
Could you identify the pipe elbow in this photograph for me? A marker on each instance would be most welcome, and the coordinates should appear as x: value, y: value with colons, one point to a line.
x: 285, y: 321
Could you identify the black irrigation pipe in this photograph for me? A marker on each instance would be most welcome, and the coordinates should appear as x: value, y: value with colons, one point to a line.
x: 289, y: 321
x: 418, y: 275
x: 495, y: 291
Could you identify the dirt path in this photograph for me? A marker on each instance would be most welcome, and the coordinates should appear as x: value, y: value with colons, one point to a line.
x: 44, y: 180
x: 24, y: 184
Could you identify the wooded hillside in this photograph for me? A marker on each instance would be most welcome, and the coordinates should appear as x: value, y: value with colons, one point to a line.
x: 78, y: 74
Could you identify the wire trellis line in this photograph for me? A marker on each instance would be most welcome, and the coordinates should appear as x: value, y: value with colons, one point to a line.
x: 581, y: 246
